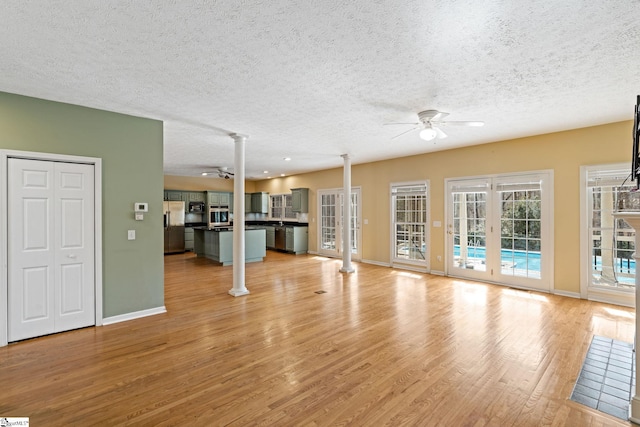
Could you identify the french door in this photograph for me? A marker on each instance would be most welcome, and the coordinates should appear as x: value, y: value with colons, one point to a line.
x: 499, y: 229
x: 331, y: 205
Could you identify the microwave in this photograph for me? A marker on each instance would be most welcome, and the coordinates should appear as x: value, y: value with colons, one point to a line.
x: 219, y: 217
x: 196, y: 207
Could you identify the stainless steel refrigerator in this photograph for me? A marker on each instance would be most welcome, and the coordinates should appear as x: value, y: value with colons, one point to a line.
x: 173, y: 227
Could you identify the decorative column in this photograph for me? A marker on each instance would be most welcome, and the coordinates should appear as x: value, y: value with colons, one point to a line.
x: 239, y: 287
x: 346, y: 217
x: 633, y: 219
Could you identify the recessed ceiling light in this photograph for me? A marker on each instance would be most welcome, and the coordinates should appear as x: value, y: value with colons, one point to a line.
x: 265, y: 172
x: 287, y: 159
x: 281, y: 174
x: 204, y: 174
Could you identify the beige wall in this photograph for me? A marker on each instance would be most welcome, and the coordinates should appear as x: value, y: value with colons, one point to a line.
x: 562, y: 152
x: 200, y: 183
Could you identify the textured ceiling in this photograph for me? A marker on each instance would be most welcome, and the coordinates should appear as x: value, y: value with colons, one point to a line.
x: 314, y: 80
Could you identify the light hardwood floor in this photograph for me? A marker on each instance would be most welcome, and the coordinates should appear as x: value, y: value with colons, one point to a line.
x: 379, y: 347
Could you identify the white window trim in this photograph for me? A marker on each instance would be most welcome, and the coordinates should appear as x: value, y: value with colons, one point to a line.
x: 611, y: 296
x: 270, y: 216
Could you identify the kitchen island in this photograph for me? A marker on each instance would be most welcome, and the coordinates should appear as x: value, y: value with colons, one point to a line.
x: 217, y: 244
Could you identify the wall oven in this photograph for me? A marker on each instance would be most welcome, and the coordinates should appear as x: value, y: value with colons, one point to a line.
x: 219, y: 217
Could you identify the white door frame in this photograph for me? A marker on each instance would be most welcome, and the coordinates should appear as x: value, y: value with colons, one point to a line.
x: 4, y: 158
x: 548, y: 188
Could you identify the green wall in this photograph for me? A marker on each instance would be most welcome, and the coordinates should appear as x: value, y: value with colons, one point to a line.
x: 131, y: 150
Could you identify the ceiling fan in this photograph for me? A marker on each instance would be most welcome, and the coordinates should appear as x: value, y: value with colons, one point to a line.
x: 222, y: 172
x: 430, y: 122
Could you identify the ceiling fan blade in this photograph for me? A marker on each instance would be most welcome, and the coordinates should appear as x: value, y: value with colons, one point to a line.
x: 439, y: 116
x: 439, y: 133
x: 406, y: 131
x: 460, y: 123
x: 397, y: 123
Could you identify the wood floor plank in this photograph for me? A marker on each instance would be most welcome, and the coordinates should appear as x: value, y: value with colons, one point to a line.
x: 379, y: 347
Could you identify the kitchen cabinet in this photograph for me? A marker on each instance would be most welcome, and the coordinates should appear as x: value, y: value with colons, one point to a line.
x: 271, y: 237
x: 218, y: 245
x: 300, y: 200
x: 230, y: 202
x: 224, y: 199
x: 218, y: 198
x: 188, y: 238
x: 247, y: 203
x: 297, y: 239
x: 173, y: 196
x: 196, y: 196
x: 260, y: 202
x: 213, y: 198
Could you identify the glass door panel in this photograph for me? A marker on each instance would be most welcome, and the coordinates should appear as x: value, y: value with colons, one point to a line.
x: 331, y: 204
x: 468, y: 233
x: 328, y: 224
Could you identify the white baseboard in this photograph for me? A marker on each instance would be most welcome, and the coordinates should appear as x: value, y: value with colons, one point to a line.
x: 612, y: 297
x: 437, y: 273
x: 381, y: 264
x: 134, y: 315
x: 566, y: 294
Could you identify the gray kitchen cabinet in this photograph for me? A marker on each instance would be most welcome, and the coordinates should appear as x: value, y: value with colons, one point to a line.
x: 230, y: 202
x: 260, y: 202
x: 196, y: 196
x: 297, y: 240
x: 271, y: 237
x: 247, y: 203
x: 213, y: 198
x: 300, y: 200
x: 218, y: 198
x: 224, y: 199
x: 173, y: 195
x: 188, y: 238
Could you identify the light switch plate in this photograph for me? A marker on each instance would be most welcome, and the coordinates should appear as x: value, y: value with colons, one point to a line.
x: 139, y: 216
x: 131, y: 234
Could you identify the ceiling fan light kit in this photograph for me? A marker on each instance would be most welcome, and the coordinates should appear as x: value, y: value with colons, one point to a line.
x: 428, y: 134
x: 430, y: 122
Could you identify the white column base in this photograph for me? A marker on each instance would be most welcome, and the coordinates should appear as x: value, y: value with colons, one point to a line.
x: 634, y: 410
x: 238, y: 293
x: 347, y: 270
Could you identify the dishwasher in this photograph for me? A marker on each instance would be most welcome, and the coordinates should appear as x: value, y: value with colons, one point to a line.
x: 281, y: 238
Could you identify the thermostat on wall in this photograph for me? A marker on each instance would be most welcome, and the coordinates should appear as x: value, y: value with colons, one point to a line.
x: 141, y: 207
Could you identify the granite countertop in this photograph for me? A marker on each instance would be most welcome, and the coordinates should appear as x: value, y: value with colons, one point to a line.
x: 222, y: 229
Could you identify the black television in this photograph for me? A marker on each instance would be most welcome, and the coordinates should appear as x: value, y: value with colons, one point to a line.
x: 635, y: 159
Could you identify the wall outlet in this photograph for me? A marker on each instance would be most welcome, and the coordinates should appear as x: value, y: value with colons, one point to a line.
x: 439, y: 258
x: 131, y: 234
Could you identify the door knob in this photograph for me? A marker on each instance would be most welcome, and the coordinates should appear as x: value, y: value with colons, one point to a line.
x: 72, y: 256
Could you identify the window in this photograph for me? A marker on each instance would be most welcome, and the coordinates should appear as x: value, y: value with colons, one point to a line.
x: 410, y: 210
x: 281, y: 208
x: 611, y: 240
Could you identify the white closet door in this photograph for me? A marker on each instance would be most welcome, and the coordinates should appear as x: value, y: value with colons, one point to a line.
x: 74, y: 241
x: 51, y: 247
